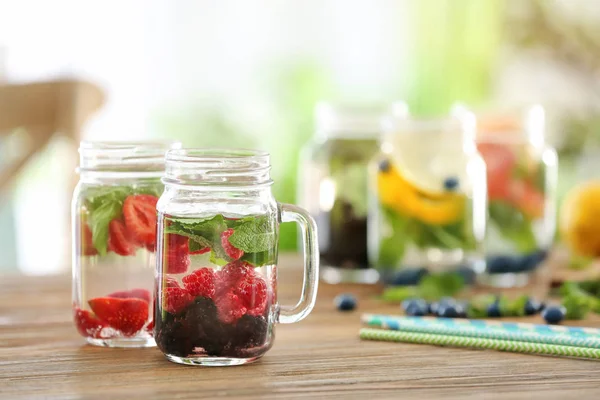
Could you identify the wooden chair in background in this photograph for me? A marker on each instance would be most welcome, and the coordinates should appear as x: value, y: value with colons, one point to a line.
x: 31, y: 115
x: 41, y: 111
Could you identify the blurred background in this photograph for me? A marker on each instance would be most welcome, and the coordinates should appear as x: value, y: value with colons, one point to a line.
x: 211, y: 73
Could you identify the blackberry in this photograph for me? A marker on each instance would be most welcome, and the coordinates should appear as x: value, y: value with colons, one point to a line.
x: 174, y: 337
x: 249, y: 332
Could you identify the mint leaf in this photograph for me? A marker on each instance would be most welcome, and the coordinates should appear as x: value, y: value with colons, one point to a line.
x: 256, y: 234
x: 391, y: 248
x: 202, y: 232
x: 513, y: 225
x: 268, y: 257
x: 99, y: 218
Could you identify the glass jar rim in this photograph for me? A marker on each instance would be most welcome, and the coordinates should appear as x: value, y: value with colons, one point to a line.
x: 217, y: 167
x: 124, y: 156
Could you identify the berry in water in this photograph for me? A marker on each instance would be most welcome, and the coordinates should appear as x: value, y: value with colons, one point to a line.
x: 233, y: 252
x: 201, y: 282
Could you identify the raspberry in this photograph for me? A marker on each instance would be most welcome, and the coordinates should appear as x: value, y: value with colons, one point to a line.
x: 252, y: 290
x: 177, y: 254
x: 176, y: 299
x: 228, y: 277
x: 201, y: 282
x: 229, y: 308
x: 231, y: 251
x: 201, y: 251
x: 172, y: 282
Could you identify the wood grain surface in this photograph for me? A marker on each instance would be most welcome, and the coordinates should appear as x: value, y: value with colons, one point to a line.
x: 43, y: 357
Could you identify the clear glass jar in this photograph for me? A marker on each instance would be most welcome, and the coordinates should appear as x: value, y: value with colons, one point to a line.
x: 216, y: 276
x: 522, y: 176
x: 333, y: 187
x: 428, y: 199
x: 114, y: 236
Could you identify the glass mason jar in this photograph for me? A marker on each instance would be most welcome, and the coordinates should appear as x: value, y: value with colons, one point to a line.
x: 216, y: 276
x: 428, y: 199
x: 114, y: 235
x: 522, y: 178
x: 333, y: 187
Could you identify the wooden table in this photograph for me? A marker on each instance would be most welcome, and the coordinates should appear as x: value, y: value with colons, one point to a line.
x: 43, y: 357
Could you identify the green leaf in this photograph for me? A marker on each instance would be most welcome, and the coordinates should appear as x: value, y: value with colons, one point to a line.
x: 513, y: 225
x: 399, y: 294
x: 391, y: 248
x: 255, y: 235
x: 268, y: 257
x: 513, y: 308
x: 99, y: 218
x: 435, y: 286
x: 479, y: 304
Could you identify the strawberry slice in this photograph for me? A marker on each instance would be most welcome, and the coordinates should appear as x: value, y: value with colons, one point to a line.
x: 125, y: 315
x: 87, y: 243
x: 201, y: 251
x: 139, y: 212
x: 88, y: 325
x: 527, y: 199
x: 119, y: 239
x: 132, y: 294
x: 500, y: 161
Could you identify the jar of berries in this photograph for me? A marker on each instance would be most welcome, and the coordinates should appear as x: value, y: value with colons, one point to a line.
x: 216, y: 276
x: 114, y: 240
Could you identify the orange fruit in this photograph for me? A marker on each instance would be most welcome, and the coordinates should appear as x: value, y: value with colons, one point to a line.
x: 580, y: 219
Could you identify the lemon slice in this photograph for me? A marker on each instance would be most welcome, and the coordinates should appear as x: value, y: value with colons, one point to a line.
x: 428, y: 159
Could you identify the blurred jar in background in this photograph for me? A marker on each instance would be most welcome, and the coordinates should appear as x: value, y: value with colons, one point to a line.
x: 333, y: 188
x: 522, y: 176
x: 429, y: 199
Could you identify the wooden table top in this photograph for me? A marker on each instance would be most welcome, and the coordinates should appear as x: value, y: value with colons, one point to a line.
x: 43, y: 357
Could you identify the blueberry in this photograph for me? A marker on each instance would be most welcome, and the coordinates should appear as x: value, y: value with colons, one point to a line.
x: 493, y: 310
x: 461, y: 309
x: 554, y: 314
x: 467, y: 274
x: 408, y: 276
x: 447, y: 311
x: 532, y: 306
x: 384, y: 165
x: 502, y: 264
x: 409, y: 302
x: 416, y: 309
x: 345, y: 302
x: 451, y: 183
x: 444, y: 301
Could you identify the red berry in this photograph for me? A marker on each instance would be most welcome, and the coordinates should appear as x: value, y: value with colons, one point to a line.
x: 150, y: 327
x: 176, y: 299
x: 125, y: 315
x: 139, y: 212
x: 88, y: 324
x: 119, y: 239
x: 177, y: 255
x: 229, y: 308
x: 252, y: 290
x: 201, y: 282
x: 132, y: 294
x: 228, y: 277
x: 201, y: 251
x: 87, y: 244
x: 172, y: 282
x: 231, y: 250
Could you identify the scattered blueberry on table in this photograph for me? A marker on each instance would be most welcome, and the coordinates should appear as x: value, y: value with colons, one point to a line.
x: 345, y: 302
x: 493, y: 310
x: 447, y: 311
x: 408, y: 276
x: 532, y: 306
x: 554, y: 314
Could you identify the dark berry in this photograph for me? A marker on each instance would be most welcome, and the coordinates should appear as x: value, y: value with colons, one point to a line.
x: 444, y: 301
x: 384, y: 165
x: 345, y: 302
x: 493, y: 310
x: 408, y: 276
x: 554, y: 314
x: 532, y: 307
x: 447, y: 311
x: 408, y: 302
x: 249, y: 332
x: 175, y: 337
x: 502, y: 264
x: 451, y: 183
x: 416, y: 309
x: 467, y: 274
x: 461, y: 310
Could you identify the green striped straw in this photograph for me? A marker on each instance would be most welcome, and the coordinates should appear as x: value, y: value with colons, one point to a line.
x: 479, y: 343
x: 482, y: 329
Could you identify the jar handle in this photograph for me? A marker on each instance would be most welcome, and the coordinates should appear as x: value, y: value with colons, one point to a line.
x: 292, y: 213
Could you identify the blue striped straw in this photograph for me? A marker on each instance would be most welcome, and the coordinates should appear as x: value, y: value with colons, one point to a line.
x: 522, y: 332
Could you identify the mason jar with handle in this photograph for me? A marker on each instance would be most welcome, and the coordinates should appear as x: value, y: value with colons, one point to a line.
x: 216, y: 274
